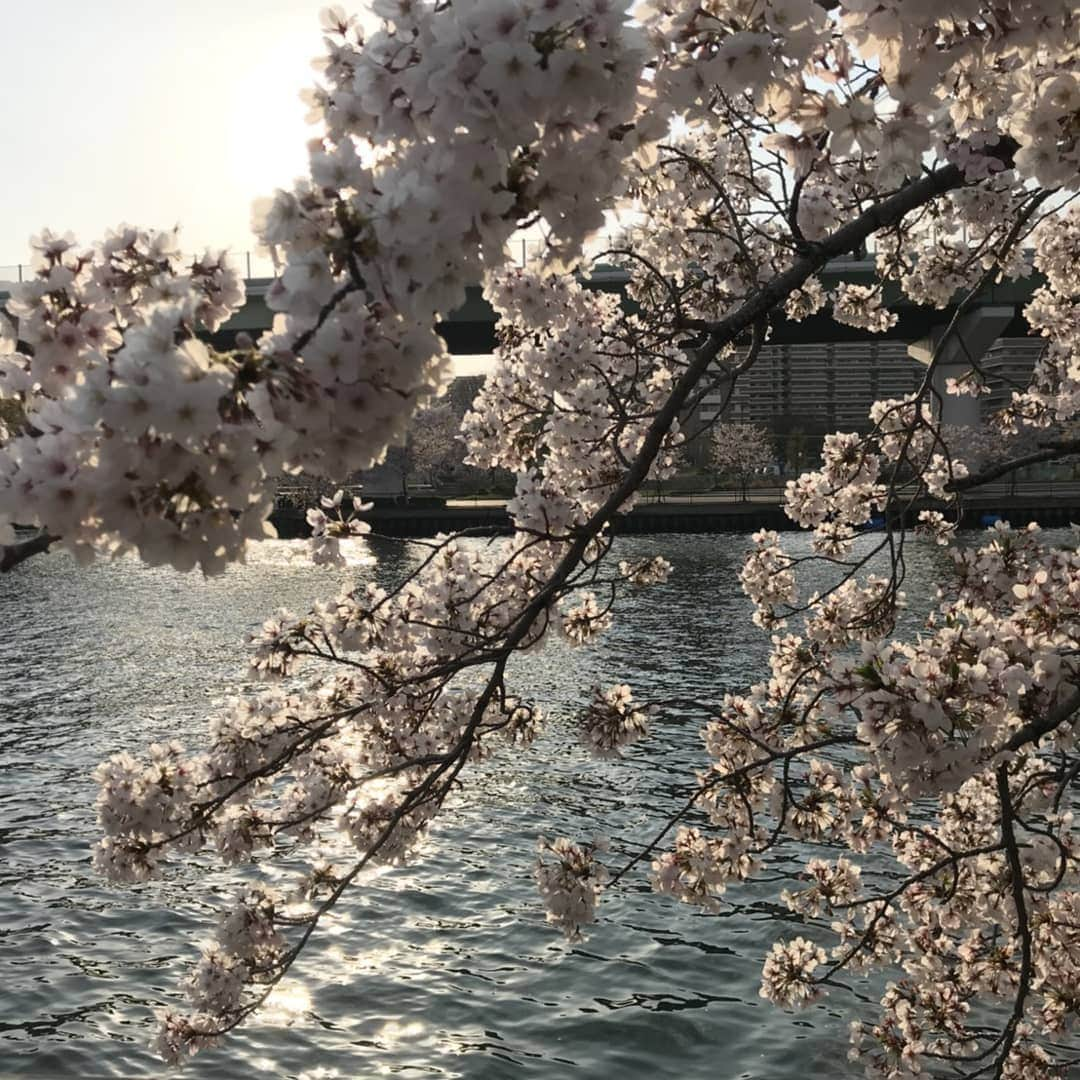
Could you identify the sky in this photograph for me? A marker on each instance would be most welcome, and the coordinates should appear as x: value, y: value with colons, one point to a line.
x: 150, y: 112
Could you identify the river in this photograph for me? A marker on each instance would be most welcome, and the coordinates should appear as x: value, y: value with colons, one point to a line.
x: 445, y: 968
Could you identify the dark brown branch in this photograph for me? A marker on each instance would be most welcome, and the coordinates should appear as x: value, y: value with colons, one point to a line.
x: 21, y: 550
x: 1023, y: 926
x: 325, y: 312
x: 1034, y: 730
x: 1048, y: 451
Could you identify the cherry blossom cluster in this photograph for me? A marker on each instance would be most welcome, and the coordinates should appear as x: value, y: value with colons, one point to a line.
x: 946, y: 252
x: 1054, y: 393
x: 570, y: 879
x: 612, y: 721
x: 962, y: 716
x: 971, y: 722
x: 861, y: 306
x: 136, y: 434
x: 811, y: 73
x: 787, y: 977
x: 372, y: 249
x: 571, y: 401
x: 327, y: 532
x: 369, y: 753
x: 527, y: 101
x: 647, y: 571
x: 697, y: 868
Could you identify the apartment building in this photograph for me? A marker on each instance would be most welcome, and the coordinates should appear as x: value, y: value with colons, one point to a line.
x: 832, y: 385
x: 827, y: 387
x: 1008, y: 364
x: 803, y: 391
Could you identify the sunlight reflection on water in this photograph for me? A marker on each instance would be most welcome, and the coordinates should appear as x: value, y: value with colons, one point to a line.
x: 288, y: 1001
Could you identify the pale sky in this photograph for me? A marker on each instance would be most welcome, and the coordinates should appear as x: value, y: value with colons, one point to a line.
x: 150, y: 112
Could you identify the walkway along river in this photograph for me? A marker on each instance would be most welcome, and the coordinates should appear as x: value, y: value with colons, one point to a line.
x: 1047, y: 505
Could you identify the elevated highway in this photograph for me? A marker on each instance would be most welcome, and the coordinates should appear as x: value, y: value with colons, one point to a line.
x: 996, y: 314
x: 471, y: 328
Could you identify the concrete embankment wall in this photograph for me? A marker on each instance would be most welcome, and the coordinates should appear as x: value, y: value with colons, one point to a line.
x: 671, y: 517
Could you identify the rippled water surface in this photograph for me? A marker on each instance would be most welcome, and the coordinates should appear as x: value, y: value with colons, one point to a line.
x: 442, y: 969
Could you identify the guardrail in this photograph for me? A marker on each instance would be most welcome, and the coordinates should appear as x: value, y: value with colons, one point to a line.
x: 1022, y: 489
x: 521, y: 251
x: 1035, y: 489
x: 252, y: 264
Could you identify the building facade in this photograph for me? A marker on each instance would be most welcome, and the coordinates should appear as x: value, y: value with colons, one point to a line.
x: 800, y: 392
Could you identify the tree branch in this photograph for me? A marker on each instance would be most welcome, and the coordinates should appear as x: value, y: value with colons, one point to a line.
x: 1023, y: 925
x: 21, y: 550
x: 1048, y: 451
x: 1034, y: 730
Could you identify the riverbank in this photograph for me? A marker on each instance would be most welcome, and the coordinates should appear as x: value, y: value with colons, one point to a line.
x: 676, y: 515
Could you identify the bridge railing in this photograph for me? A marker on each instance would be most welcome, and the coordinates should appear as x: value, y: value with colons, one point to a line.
x: 251, y: 264
x: 521, y: 251
x: 304, y: 494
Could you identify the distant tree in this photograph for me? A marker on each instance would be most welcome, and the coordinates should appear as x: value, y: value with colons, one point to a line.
x: 740, y: 450
x: 433, y: 446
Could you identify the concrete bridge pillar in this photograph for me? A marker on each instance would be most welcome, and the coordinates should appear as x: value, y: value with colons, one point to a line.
x: 968, y: 343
